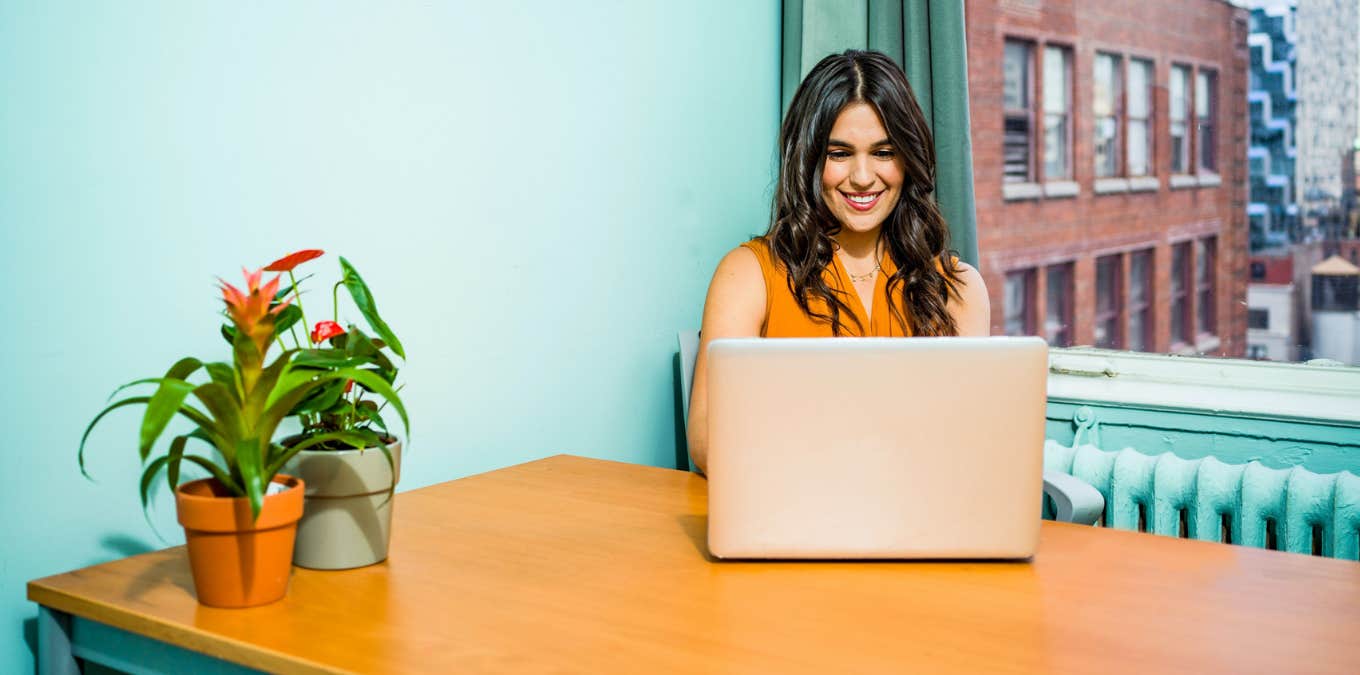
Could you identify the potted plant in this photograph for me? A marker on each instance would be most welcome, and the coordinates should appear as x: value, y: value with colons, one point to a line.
x: 345, y: 454
x: 240, y: 521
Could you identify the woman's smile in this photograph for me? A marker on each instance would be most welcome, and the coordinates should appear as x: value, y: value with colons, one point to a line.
x: 862, y: 201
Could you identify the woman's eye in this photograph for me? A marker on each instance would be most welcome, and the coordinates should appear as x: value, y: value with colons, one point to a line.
x: 837, y: 154
x: 884, y: 154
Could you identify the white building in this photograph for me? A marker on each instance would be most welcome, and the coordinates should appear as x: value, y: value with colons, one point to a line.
x: 1271, y: 322
x: 1336, y: 311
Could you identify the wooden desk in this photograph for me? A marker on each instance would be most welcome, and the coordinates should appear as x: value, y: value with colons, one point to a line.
x: 573, y: 565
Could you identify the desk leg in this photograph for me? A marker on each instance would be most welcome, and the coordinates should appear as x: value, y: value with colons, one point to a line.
x: 54, y: 643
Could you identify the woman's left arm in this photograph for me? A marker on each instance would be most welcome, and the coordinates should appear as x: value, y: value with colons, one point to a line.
x: 971, y: 309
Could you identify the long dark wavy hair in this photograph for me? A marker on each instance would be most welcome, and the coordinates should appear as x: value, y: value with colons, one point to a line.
x: 802, y: 226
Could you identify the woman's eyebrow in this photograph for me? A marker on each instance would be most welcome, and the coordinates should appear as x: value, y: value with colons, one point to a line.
x: 844, y: 144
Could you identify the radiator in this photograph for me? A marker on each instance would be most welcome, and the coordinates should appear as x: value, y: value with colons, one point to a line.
x: 1283, y: 509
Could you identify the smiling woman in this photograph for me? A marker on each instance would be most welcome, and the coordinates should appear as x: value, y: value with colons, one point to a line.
x: 856, y: 245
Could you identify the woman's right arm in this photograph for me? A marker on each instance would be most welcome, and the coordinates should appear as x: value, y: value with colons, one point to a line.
x: 735, y: 308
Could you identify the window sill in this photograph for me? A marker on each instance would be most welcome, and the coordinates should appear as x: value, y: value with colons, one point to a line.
x: 1062, y: 188
x: 1014, y: 191
x: 1182, y: 180
x: 1144, y: 184
x: 1205, y: 343
x: 1260, y: 389
x: 1108, y: 186
x: 1210, y: 180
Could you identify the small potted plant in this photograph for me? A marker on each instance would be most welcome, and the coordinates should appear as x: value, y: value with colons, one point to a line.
x: 345, y: 453
x: 240, y: 521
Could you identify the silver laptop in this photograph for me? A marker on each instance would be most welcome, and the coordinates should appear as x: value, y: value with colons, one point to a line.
x: 876, y: 447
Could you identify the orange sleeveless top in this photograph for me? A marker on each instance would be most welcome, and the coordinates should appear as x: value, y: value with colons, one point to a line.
x: 784, y: 318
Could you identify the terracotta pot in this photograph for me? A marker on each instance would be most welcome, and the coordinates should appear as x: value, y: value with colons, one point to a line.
x: 237, y: 562
x: 347, y: 519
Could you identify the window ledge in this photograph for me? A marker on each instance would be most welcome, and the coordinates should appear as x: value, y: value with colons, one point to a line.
x: 1182, y: 180
x: 1013, y: 191
x: 1105, y: 186
x: 1061, y: 188
x: 1260, y: 389
x: 1210, y: 180
x: 1144, y: 184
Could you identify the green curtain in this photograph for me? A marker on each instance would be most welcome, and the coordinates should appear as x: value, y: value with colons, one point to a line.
x: 927, y: 38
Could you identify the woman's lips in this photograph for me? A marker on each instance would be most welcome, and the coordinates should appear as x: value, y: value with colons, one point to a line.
x: 862, y: 201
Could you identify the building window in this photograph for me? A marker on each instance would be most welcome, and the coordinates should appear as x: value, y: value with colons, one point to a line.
x: 1258, y: 318
x: 1140, y: 301
x: 1205, y: 255
x: 1057, y: 113
x: 1058, y: 310
x: 1180, y: 108
x: 1108, y: 96
x: 1020, y: 302
x: 1108, y: 287
x: 1257, y: 352
x: 1180, y: 302
x: 1139, y: 126
x: 1019, y: 110
x: 1206, y: 100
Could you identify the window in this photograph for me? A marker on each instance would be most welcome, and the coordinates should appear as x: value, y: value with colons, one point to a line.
x: 1336, y: 293
x: 1180, y: 303
x: 1258, y: 318
x: 1140, y: 301
x: 1019, y: 110
x: 1106, y: 112
x: 1020, y: 303
x: 1257, y: 352
x: 1057, y: 113
x: 1108, y: 286
x: 1180, y: 138
x: 1058, y: 312
x: 1139, y: 134
x: 1206, y: 101
x: 1204, y: 285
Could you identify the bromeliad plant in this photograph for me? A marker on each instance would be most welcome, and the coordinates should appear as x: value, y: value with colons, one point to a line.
x: 239, y: 408
x: 339, y: 415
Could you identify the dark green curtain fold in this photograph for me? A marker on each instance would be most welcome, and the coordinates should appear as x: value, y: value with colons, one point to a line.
x: 927, y: 38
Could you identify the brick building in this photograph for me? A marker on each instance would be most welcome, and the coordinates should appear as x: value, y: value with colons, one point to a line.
x: 1109, y: 154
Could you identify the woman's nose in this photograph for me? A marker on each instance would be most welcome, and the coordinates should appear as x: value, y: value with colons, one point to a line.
x: 861, y: 174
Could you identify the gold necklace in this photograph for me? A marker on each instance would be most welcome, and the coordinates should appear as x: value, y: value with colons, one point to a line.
x: 856, y: 278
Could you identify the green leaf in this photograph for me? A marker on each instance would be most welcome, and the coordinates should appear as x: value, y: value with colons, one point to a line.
x: 363, y: 299
x: 221, y: 373
x: 217, y: 472
x: 80, y: 454
x: 175, y: 456
x: 287, y: 318
x: 163, y: 405
x: 360, y: 345
x: 250, y: 460
x: 326, y: 359
x: 229, y: 333
x: 221, y: 403
x: 321, y: 400
x: 148, y: 476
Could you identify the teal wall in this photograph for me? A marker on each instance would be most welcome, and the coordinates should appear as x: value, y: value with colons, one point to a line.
x: 537, y: 191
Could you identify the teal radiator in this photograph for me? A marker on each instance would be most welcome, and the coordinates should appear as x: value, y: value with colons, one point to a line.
x: 1283, y: 509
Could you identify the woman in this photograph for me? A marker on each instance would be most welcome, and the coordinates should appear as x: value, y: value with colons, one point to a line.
x: 856, y: 246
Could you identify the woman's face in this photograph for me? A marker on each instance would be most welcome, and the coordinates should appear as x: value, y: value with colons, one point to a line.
x: 863, y: 173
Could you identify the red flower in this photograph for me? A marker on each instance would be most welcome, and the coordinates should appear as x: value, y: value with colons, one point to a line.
x: 250, y: 310
x: 288, y: 262
x: 326, y: 330
x: 349, y: 384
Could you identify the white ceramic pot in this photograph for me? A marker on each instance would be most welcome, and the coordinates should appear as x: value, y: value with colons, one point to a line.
x: 347, y: 516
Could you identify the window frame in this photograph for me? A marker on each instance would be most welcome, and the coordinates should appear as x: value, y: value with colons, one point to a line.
x: 1180, y: 300
x: 1145, y: 307
x: 1206, y: 149
x: 1114, y: 314
x: 1028, y: 311
x: 1186, y: 154
x: 1149, y: 119
x: 1007, y: 113
x: 1068, y: 114
x: 1065, y: 335
x: 1116, y: 113
x: 1206, y: 289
